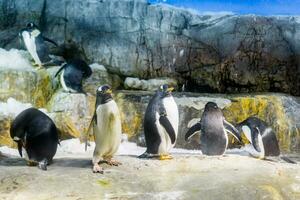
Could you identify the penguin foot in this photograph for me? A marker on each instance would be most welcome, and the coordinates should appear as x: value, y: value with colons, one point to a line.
x: 113, y: 162
x: 165, y: 157
x: 97, y: 169
x: 31, y: 163
x: 43, y: 165
x: 148, y: 156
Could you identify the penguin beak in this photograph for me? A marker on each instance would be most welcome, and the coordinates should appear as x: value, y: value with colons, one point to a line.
x: 20, y: 145
x: 170, y: 89
x: 109, y: 91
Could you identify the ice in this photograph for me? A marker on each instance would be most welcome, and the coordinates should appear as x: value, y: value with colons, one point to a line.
x: 15, y: 59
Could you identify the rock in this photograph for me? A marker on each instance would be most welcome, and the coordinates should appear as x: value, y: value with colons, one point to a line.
x: 76, y: 112
x: 279, y: 111
x: 220, y: 53
x: 150, y: 85
x: 99, y: 77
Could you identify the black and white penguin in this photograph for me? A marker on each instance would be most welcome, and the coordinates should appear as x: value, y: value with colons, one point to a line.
x: 73, y: 73
x: 36, y: 135
x: 261, y: 137
x: 214, y: 128
x: 161, y: 124
x: 35, y: 44
x: 107, y: 129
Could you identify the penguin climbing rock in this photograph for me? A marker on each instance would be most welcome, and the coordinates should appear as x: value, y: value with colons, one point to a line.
x: 36, y: 135
x: 72, y: 75
x: 214, y: 128
x: 261, y: 137
x: 106, y: 125
x: 161, y: 124
x: 35, y: 44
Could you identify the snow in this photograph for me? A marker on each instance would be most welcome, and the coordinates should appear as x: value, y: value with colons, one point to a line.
x: 15, y: 59
x: 74, y: 148
x: 96, y: 66
x: 13, y: 107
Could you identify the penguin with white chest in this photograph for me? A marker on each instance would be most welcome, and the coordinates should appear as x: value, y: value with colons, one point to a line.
x: 36, y: 135
x: 161, y: 124
x: 213, y: 128
x: 262, y: 138
x: 72, y: 75
x: 106, y: 128
x: 35, y: 44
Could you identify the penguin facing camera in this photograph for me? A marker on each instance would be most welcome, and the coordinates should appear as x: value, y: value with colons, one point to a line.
x: 161, y: 124
x: 214, y: 129
x: 35, y: 44
x: 37, y: 137
x: 72, y: 74
x: 106, y: 127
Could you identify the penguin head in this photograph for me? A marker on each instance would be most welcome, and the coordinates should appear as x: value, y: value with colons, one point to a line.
x: 211, y: 106
x: 104, y: 94
x: 166, y: 90
x: 31, y: 28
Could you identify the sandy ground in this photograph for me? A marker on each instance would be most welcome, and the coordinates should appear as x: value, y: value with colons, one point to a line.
x: 189, y: 175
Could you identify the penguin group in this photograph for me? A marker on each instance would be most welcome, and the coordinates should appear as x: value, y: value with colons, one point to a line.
x: 37, y: 136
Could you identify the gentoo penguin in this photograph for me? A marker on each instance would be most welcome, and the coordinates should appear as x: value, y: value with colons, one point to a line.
x: 36, y: 135
x: 214, y: 128
x: 261, y: 137
x: 161, y: 124
x: 35, y: 44
x: 73, y: 72
x: 107, y: 129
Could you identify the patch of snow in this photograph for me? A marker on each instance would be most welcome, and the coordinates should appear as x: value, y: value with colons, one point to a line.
x: 199, y: 102
x: 13, y: 107
x: 181, y: 52
x: 150, y: 85
x: 15, y: 59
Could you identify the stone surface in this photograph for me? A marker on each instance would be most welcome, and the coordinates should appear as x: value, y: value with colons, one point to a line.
x: 187, y: 176
x: 220, y: 53
x: 148, y: 85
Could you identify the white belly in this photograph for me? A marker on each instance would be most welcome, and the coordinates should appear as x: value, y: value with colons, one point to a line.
x: 31, y: 47
x: 173, y: 116
x: 108, y: 130
x: 63, y: 84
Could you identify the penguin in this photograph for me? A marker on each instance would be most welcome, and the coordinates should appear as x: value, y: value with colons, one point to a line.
x: 161, y: 124
x: 36, y: 136
x: 261, y: 137
x: 72, y: 74
x: 107, y: 129
x: 214, y: 128
x: 35, y: 44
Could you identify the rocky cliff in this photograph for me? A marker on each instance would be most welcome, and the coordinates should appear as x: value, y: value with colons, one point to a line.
x: 212, y: 53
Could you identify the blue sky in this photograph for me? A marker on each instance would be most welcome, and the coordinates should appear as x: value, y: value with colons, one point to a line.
x: 260, y: 7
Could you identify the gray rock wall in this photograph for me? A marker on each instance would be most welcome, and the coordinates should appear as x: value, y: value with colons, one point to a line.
x: 132, y: 38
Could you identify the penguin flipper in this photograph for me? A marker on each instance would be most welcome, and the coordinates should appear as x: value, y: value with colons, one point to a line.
x: 254, y: 137
x: 164, y: 121
x: 192, y: 131
x: 88, y: 133
x: 20, y: 148
x: 49, y: 40
x: 232, y: 130
x: 60, y: 70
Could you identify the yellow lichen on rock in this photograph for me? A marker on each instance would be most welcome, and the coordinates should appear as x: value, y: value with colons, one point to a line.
x: 5, y: 138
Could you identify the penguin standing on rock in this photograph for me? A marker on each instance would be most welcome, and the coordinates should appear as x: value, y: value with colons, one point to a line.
x: 161, y: 124
x: 261, y: 137
x: 214, y: 128
x: 106, y: 124
x: 36, y: 135
x: 72, y: 75
x: 35, y: 44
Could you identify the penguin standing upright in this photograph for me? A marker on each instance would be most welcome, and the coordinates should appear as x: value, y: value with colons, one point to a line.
x: 261, y: 137
x: 35, y: 44
x: 213, y: 127
x: 36, y: 135
x: 161, y: 124
x: 73, y: 72
x: 107, y: 129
